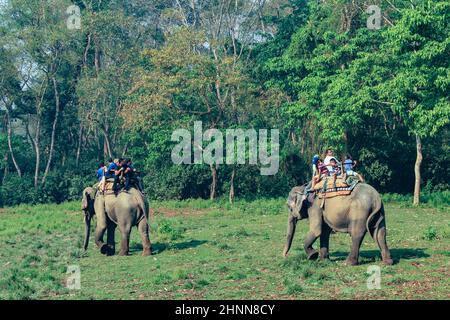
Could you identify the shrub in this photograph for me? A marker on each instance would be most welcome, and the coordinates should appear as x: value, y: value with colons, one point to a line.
x: 167, y: 230
x: 58, y: 187
x: 430, y: 233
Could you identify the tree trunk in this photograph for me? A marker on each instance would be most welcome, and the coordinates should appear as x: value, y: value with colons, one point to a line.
x: 37, y: 152
x: 304, y: 132
x: 86, y: 49
x: 345, y: 143
x: 80, y: 141
x: 97, y: 140
x: 107, y: 146
x: 55, y: 122
x: 125, y: 149
x: 5, y: 172
x: 212, y: 194
x: 231, y: 197
x: 417, y: 170
x: 9, y: 133
x: 37, y: 140
x: 96, y: 57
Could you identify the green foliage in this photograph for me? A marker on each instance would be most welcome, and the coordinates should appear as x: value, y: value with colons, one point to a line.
x: 131, y: 76
x: 439, y: 200
x: 59, y: 187
x: 168, y: 231
x: 430, y: 234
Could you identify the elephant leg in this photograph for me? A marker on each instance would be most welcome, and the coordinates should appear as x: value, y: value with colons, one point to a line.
x: 382, y: 244
x: 325, y: 241
x: 144, y: 231
x: 357, y: 238
x: 100, y: 230
x: 315, y: 229
x: 110, y: 238
x: 311, y: 253
x: 125, y: 241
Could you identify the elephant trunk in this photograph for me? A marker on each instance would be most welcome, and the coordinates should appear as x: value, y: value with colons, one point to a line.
x: 292, y: 223
x: 87, y: 229
x: 87, y: 205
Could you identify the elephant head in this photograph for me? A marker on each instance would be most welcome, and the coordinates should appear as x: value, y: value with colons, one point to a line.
x: 87, y: 205
x: 297, y: 203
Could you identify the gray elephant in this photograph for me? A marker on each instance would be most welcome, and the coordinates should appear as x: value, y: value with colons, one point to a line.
x: 125, y: 210
x: 357, y: 213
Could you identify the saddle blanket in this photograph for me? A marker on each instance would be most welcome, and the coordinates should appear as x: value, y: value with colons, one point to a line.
x: 109, y: 183
x: 327, y: 183
x: 326, y: 188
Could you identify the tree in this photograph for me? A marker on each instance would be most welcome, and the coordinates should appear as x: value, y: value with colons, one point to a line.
x: 417, y: 53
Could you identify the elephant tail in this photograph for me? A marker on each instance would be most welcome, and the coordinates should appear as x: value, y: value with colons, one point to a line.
x: 372, y: 228
x: 142, y: 207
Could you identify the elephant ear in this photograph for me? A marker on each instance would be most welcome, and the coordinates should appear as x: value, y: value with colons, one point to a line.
x: 86, y: 198
x: 297, y: 202
x: 84, y: 201
x: 304, y: 201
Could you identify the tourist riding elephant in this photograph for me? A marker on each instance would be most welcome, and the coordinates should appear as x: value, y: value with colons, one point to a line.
x: 127, y: 209
x: 357, y: 213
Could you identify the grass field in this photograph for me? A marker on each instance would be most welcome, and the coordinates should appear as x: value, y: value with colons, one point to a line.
x: 206, y: 250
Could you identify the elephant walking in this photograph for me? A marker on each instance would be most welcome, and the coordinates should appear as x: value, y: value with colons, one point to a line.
x: 125, y: 210
x: 357, y: 213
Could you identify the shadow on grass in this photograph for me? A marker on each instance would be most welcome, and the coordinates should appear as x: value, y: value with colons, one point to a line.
x: 157, y: 247
x: 370, y: 256
x: 187, y: 244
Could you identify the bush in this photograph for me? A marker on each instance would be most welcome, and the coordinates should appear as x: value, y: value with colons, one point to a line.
x: 439, y: 199
x: 430, y: 234
x: 168, y: 231
x: 58, y: 188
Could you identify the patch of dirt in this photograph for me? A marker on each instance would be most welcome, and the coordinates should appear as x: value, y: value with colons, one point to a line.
x: 168, y: 212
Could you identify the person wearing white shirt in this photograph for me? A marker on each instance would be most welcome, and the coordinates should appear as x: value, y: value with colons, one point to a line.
x: 328, y: 156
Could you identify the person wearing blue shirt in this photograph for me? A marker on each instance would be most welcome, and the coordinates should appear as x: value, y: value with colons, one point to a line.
x: 314, y: 164
x: 101, y: 171
x: 349, y: 163
x: 112, y: 168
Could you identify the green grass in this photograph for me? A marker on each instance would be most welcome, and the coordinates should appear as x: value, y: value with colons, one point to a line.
x: 214, y: 250
x: 439, y: 200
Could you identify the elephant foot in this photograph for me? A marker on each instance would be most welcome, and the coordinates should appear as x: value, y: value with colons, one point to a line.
x: 351, y: 262
x: 105, y: 249
x: 324, y: 255
x: 388, y: 262
x: 313, y: 255
x: 111, y: 251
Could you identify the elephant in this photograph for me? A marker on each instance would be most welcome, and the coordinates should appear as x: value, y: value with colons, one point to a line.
x: 357, y: 213
x: 125, y: 210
